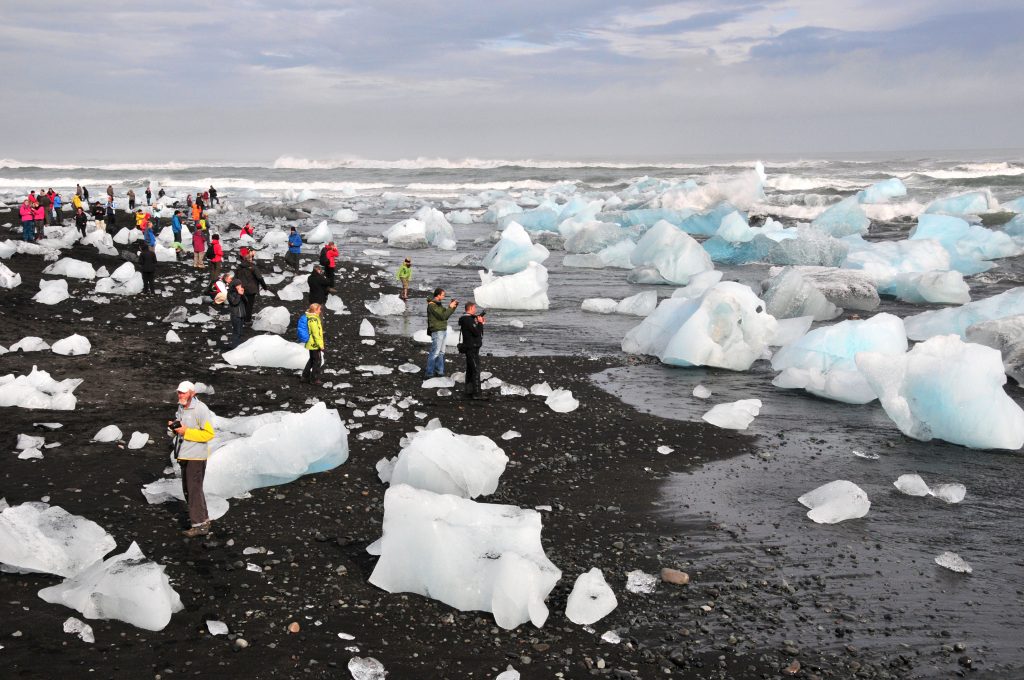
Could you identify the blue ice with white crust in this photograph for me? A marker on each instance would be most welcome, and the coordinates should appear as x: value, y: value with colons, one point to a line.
x: 514, y: 251
x: 970, y: 203
x: 955, y: 320
x: 845, y: 218
x: 881, y: 192
x: 1016, y: 205
x: 969, y: 245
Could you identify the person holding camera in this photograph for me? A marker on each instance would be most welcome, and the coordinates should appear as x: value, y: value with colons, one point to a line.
x: 193, y: 429
x: 471, y: 325
x: 437, y: 328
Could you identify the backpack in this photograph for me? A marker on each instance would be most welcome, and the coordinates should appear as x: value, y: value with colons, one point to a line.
x: 302, y: 329
x: 209, y: 251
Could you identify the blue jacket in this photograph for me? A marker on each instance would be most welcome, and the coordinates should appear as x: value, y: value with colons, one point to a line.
x: 294, y: 243
x: 176, y: 224
x: 150, y: 237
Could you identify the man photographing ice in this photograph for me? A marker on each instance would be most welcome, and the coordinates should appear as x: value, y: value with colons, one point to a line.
x: 472, y: 326
x: 193, y: 429
x: 437, y: 327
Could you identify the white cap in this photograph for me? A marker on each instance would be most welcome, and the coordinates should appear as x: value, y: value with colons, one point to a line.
x: 186, y: 386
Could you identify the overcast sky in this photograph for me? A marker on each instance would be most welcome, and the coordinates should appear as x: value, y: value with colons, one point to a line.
x: 553, y: 79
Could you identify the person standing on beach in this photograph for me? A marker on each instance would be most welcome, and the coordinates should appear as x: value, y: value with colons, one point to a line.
x: 43, y: 199
x: 28, y: 221
x: 58, y: 210
x: 437, y: 327
x: 236, y: 304
x: 176, y: 226
x: 314, y: 333
x: 198, y: 249
x: 39, y: 217
x: 471, y: 327
x: 318, y: 286
x: 404, y: 277
x: 188, y: 201
x: 78, y: 190
x: 85, y: 195
x: 111, y: 224
x: 328, y: 260
x: 291, y: 258
x: 216, y: 257
x: 252, y: 280
x: 213, y: 196
x: 149, y: 195
x: 131, y: 199
x: 247, y: 230
x: 110, y: 191
x: 81, y: 220
x: 147, y: 265
x: 193, y: 429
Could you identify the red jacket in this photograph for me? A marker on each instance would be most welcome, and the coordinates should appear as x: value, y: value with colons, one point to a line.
x: 25, y: 210
x: 332, y: 255
x: 218, y: 252
x: 39, y: 212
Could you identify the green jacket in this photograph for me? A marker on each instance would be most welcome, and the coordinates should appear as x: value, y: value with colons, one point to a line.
x: 316, y: 332
x: 437, y: 316
x: 404, y: 272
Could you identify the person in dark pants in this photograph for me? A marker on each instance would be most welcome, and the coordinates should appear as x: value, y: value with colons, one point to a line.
x: 318, y: 286
x: 111, y: 225
x: 193, y: 429
x: 147, y: 265
x: 149, y: 195
x: 236, y: 303
x: 252, y: 280
x: 315, y: 344
x: 81, y: 221
x: 471, y: 325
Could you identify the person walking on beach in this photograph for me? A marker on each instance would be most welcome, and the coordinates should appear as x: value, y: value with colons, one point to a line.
x: 247, y: 230
x: 44, y: 202
x: 248, y: 274
x: 188, y: 201
x: 110, y: 191
x: 437, y: 327
x: 236, y: 305
x: 85, y: 195
x: 216, y: 257
x: 131, y: 199
x: 58, y: 210
x: 328, y: 260
x: 28, y: 221
x: 149, y: 195
x: 78, y: 190
x: 318, y: 286
x: 176, y: 226
x: 197, y: 212
x: 111, y: 224
x: 81, y: 220
x: 193, y: 429
x: 471, y: 327
x: 147, y: 265
x: 39, y: 217
x: 198, y: 249
x: 291, y: 258
x: 312, y: 329
x: 404, y: 276
x: 213, y: 196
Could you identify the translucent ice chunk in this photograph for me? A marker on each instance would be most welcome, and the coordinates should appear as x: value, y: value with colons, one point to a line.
x: 67, y: 266
x: 366, y: 329
x: 441, y: 461
x: 881, y: 192
x: 80, y: 628
x: 110, y: 433
x: 789, y: 295
x: 271, y: 320
x: 386, y: 305
x: 701, y: 392
x: 35, y: 537
x: 526, y: 290
x: 957, y: 319
x: 52, y: 292
x: 842, y: 219
x: 73, y: 345
x: 138, y: 440
x: 268, y: 350
x: 38, y: 390
x: 836, y: 502
x: 641, y: 582
x: 673, y: 253
x: 366, y: 668
x: 591, y: 599
x: 736, y: 415
x: 970, y: 203
x: 562, y: 401
x: 321, y: 233
x: 513, y: 251
x: 912, y: 485
x: 953, y: 562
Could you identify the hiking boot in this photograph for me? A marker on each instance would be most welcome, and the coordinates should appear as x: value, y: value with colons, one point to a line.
x: 198, y: 530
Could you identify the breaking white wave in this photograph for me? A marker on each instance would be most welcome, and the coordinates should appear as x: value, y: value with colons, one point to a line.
x: 13, y: 164
x: 974, y: 171
x: 786, y: 182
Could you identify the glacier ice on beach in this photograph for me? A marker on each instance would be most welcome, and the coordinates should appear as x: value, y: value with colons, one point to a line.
x: 727, y: 327
x: 386, y: 305
x: 271, y: 320
x: 52, y: 292
x: 1005, y: 335
x: 127, y: 587
x: 73, y: 345
x: 102, y: 241
x: 138, y: 440
x: 591, y: 599
x: 641, y: 582
x: 881, y: 192
x: 30, y: 343
x: 836, y: 502
x: 844, y: 288
x: 810, y: 247
x: 77, y: 627
x: 883, y: 261
x: 122, y: 281
x: 957, y: 319
x: 969, y: 203
x: 968, y: 245
x: 409, y: 233
x: 823, y: 361
x: 110, y: 433
x: 525, y: 290
x: 842, y: 219
x: 736, y: 415
x: 640, y: 304
x: 8, y: 278
x: 444, y: 462
x: 561, y: 401
x: 437, y: 231
x: 296, y: 289
x: 67, y: 266
x: 673, y: 253
x: 931, y: 287
x: 514, y: 251
x: 321, y: 233
x: 366, y: 668
x: 947, y: 389
x: 617, y: 255
x: 40, y: 538
x: 914, y: 485
x: 366, y: 329
x: 271, y: 351
x: 591, y: 236
x: 38, y: 390
x: 471, y: 556
x: 789, y: 295
x: 953, y: 562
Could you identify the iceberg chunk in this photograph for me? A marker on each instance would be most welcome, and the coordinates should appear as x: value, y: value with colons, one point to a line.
x: 591, y: 599
x: 561, y: 401
x: 968, y: 245
x: 727, y: 326
x: 110, y: 433
x: 122, y: 281
x: 39, y: 538
x: 617, y: 255
x: 953, y: 562
x: 527, y: 289
x: 882, y: 261
x: 441, y: 461
x: 271, y: 320
x: 271, y: 351
x: 127, y: 587
x: 674, y: 254
x: 970, y: 203
x: 1005, y: 335
x: 386, y: 305
x: 38, y: 390
x: 842, y: 219
x: 471, y: 556
x: 321, y: 233
x: 931, y: 287
x: 836, y: 502
x: 881, y: 192
x: 844, y: 288
x: 67, y: 266
x: 736, y: 415
x: 52, y: 292
x: 514, y: 251
x: 823, y: 361
x: 957, y: 319
x: 809, y: 247
x: 790, y: 295
x: 947, y: 389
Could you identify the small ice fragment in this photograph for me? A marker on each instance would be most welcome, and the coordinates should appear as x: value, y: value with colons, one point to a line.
x: 951, y: 493
x: 836, y: 501
x: 562, y: 401
x: 346, y: 636
x: 28, y: 441
x: 138, y: 440
x: 736, y: 415
x: 30, y: 454
x: 640, y: 582
x: 953, y: 562
x: 217, y: 627
x: 172, y: 337
x: 591, y: 599
x: 866, y: 456
x: 541, y: 389
x: 611, y: 637
x: 371, y: 435
x: 80, y: 628
x: 912, y: 485
x: 701, y: 392
x: 665, y: 450
x: 366, y: 668
x: 366, y: 329
x: 253, y: 551
x: 409, y: 368
x: 508, y: 674
x: 249, y: 566
x: 511, y: 434
x: 110, y: 433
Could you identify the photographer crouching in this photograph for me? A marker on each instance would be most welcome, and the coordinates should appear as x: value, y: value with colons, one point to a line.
x: 472, y: 326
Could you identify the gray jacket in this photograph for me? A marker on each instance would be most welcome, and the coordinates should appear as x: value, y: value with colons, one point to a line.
x: 198, y: 421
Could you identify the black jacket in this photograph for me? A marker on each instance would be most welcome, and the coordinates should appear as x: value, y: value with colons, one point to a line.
x: 236, y: 303
x: 147, y: 261
x: 81, y: 219
x: 250, y: 278
x: 472, y: 331
x: 317, y: 288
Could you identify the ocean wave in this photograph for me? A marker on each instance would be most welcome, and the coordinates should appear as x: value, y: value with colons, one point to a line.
x: 14, y: 164
x: 787, y: 182
x: 973, y: 171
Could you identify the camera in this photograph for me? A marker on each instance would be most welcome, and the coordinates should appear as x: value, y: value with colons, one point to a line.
x: 481, y: 312
x: 174, y: 425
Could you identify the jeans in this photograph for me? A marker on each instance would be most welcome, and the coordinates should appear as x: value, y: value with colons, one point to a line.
x: 236, y: 330
x: 28, y: 230
x: 435, y: 360
x: 147, y: 282
x: 473, y: 371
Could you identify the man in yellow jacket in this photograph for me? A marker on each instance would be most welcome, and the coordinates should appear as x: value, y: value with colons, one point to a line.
x: 193, y: 430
